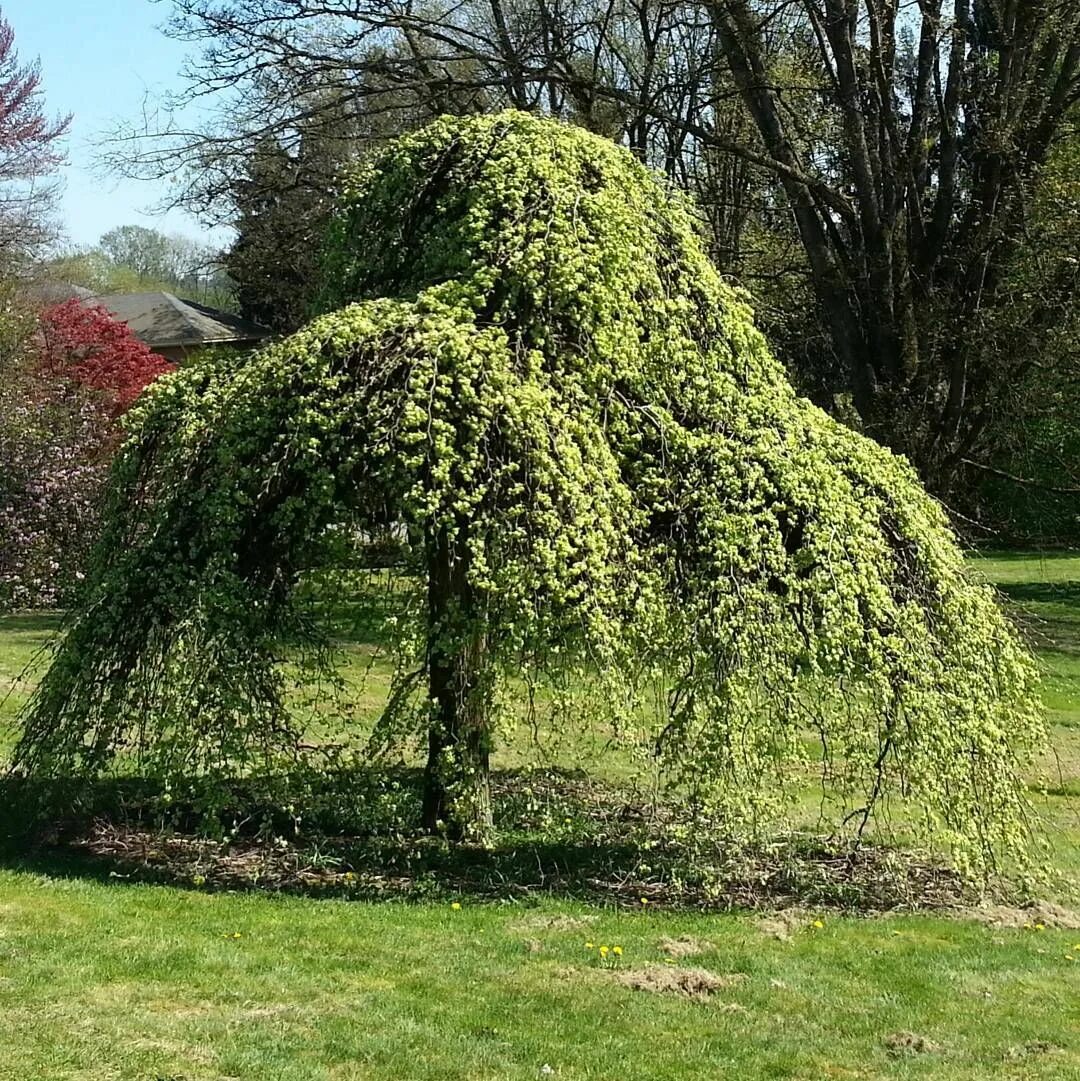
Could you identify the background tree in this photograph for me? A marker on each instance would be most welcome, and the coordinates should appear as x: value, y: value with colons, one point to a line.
x: 910, y: 216
x: 66, y: 374
x: 30, y: 152
x: 55, y: 443
x: 134, y: 259
x: 1031, y: 485
x: 281, y: 213
x: 152, y: 255
x: 281, y: 199
x: 86, y: 344
x: 611, y: 496
x: 355, y: 76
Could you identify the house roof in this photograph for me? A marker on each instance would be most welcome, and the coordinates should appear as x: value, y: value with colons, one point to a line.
x: 162, y: 320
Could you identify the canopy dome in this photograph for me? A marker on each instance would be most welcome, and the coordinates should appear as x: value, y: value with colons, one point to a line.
x: 528, y: 363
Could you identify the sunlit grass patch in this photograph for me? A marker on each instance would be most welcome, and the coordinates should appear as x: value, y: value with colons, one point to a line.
x: 180, y: 984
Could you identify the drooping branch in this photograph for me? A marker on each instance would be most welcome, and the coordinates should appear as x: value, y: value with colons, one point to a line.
x: 605, y: 485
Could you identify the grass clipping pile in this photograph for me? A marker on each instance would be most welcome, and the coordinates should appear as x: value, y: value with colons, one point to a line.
x: 529, y: 369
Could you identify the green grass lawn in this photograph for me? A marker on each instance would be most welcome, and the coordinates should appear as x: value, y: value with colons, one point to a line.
x: 107, y: 979
x: 1043, y: 593
x: 115, y: 981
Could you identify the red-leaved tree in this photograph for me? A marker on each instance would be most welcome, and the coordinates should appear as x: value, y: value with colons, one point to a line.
x: 87, y: 344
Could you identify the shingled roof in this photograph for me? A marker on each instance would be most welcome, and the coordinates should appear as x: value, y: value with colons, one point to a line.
x: 163, y: 321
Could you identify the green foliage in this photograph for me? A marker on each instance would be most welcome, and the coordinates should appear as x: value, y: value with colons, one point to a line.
x: 529, y: 367
x: 1033, y: 338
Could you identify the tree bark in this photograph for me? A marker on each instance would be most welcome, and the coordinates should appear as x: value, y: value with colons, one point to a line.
x: 457, y: 788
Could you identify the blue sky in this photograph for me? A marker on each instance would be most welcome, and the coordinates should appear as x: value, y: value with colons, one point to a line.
x: 100, y: 59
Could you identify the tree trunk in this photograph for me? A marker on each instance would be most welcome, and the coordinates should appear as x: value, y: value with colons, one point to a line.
x: 457, y: 789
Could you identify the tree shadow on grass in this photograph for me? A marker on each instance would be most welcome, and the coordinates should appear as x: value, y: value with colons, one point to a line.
x: 37, y: 623
x: 1043, y: 592
x: 1025, y: 555
x: 1055, y: 624
x: 559, y: 835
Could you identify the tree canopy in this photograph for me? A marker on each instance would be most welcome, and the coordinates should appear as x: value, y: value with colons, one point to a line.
x: 613, y: 500
x: 134, y: 259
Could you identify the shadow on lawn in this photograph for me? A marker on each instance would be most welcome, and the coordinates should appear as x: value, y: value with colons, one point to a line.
x: 559, y: 834
x: 1055, y: 623
x: 38, y: 623
x: 1042, y: 592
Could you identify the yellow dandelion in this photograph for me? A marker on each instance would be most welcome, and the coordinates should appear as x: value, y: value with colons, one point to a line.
x: 589, y: 946
x: 617, y: 950
x: 456, y: 906
x: 819, y: 924
x: 644, y: 900
x: 603, y: 951
x: 1040, y: 927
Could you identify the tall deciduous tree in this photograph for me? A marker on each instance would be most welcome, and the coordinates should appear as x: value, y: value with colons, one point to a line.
x: 941, y: 121
x: 1031, y: 486
x: 649, y: 73
x: 153, y: 255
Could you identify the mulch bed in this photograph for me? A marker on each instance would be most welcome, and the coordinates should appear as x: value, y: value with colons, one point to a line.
x: 868, y: 879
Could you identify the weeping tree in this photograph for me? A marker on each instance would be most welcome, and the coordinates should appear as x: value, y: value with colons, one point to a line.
x: 614, y: 505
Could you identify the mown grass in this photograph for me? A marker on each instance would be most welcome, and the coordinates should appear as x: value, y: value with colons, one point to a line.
x: 106, y: 979
x: 1042, y: 591
x: 116, y: 981
x: 22, y: 637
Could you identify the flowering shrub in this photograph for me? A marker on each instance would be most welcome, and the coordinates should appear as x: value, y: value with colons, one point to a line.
x: 55, y: 446
x: 86, y: 343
